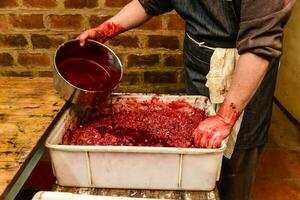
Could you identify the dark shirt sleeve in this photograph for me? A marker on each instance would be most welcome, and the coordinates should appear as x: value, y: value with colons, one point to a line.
x: 261, y: 26
x: 156, y: 7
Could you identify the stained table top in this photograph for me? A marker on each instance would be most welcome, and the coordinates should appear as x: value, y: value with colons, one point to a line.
x: 27, y: 108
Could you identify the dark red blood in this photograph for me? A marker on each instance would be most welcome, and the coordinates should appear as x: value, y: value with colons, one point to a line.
x: 232, y: 105
x: 229, y: 113
x: 141, y: 123
x: 88, y: 75
x: 107, y: 31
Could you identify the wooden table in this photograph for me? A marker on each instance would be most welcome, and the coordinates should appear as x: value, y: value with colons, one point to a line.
x: 28, y: 107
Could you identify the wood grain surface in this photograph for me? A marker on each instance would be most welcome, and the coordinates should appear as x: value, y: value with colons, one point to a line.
x: 27, y: 107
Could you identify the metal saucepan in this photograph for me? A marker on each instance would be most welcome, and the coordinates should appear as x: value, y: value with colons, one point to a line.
x: 94, y: 52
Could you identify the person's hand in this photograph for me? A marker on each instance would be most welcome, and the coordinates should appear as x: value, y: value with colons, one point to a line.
x: 212, y: 131
x: 102, y: 33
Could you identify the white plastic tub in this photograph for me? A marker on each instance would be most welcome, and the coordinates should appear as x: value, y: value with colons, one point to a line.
x: 70, y: 196
x: 162, y: 168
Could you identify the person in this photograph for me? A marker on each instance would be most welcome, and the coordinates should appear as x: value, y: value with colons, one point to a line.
x: 255, y: 29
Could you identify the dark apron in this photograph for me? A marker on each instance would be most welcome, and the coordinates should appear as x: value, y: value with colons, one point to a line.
x: 257, y: 115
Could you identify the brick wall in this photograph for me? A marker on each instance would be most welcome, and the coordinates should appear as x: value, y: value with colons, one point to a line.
x: 31, y: 30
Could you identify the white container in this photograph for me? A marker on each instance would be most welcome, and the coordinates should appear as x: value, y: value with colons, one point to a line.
x: 70, y: 196
x: 164, y: 168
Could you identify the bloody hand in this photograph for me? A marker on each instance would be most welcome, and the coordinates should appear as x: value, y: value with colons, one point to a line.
x: 212, y: 131
x: 102, y: 33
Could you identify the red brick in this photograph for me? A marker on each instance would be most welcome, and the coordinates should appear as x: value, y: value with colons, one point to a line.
x: 131, y: 78
x: 8, y: 3
x: 40, y: 3
x: 46, y: 41
x: 45, y: 74
x: 95, y: 20
x: 177, y: 89
x: 142, y: 60
x: 176, y: 22
x: 16, y: 73
x: 73, y: 36
x: 181, y: 77
x: 175, y: 60
x: 3, y: 23
x: 66, y: 22
x: 125, y: 41
x: 153, y: 24
x: 116, y: 3
x: 81, y: 3
x: 27, y: 21
x: 34, y: 59
x: 160, y: 77
x: 160, y: 41
x: 15, y: 40
x: 6, y: 59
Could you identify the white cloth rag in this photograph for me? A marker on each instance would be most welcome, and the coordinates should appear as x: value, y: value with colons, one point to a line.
x: 219, y: 77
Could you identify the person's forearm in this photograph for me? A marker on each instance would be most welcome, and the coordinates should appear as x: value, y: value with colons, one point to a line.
x: 131, y: 16
x: 248, y: 74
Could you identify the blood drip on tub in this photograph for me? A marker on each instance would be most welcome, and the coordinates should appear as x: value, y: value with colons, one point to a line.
x: 88, y: 75
x: 141, y: 123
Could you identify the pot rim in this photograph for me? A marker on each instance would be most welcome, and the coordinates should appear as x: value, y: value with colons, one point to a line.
x: 81, y: 89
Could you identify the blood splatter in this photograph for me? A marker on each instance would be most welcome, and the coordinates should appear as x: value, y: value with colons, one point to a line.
x: 232, y: 105
x: 229, y: 112
x: 141, y: 123
x: 107, y: 31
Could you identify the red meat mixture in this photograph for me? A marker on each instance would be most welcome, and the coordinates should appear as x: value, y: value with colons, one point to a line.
x: 141, y: 123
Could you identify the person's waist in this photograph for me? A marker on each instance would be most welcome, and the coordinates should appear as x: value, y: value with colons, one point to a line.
x: 212, y: 43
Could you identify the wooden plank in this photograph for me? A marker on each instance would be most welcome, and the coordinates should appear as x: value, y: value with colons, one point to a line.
x: 27, y: 107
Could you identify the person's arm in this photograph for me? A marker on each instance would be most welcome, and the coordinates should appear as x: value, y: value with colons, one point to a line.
x: 248, y: 75
x: 259, y: 40
x: 132, y: 15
